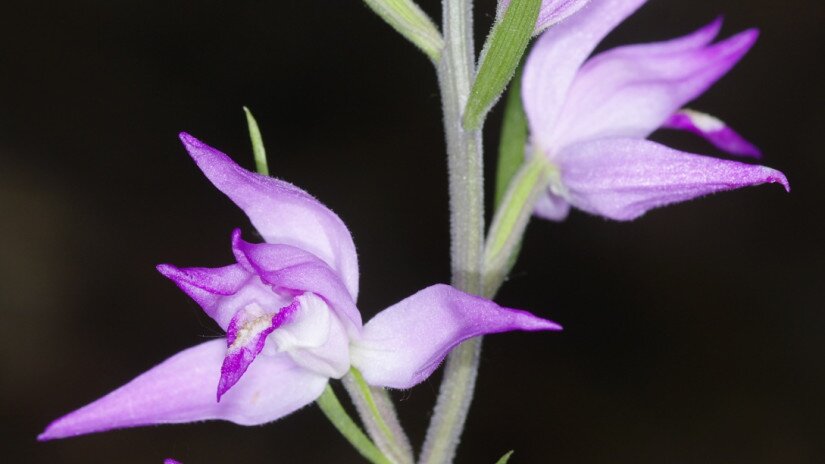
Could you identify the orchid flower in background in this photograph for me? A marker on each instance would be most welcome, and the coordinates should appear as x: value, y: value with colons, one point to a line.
x: 590, y: 119
x: 550, y: 13
x: 288, y: 309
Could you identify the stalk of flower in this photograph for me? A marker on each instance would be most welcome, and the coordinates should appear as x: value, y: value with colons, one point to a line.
x: 288, y: 308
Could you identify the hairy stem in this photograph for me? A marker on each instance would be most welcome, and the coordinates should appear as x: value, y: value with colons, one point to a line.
x: 377, y: 412
x: 466, y: 180
x: 336, y: 414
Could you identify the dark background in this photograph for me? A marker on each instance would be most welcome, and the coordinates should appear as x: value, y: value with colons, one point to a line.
x: 693, y: 335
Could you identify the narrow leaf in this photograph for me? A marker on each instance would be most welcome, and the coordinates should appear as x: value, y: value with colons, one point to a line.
x: 506, y: 458
x: 407, y: 18
x: 500, y: 56
x: 513, y: 140
x: 257, y: 143
x: 336, y: 414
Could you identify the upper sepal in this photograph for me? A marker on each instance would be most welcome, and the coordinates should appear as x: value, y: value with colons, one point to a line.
x: 631, y: 91
x: 557, y: 55
x: 281, y: 212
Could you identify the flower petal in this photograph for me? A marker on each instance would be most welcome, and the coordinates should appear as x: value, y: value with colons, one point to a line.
x: 551, y: 12
x: 402, y: 345
x: 714, y: 131
x: 557, y: 56
x: 221, y: 292
x: 622, y: 179
x: 315, y: 338
x: 281, y: 212
x: 630, y: 91
x: 292, y: 270
x: 245, y: 339
x: 182, y: 389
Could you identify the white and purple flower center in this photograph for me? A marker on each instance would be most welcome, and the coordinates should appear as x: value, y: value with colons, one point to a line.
x: 306, y: 329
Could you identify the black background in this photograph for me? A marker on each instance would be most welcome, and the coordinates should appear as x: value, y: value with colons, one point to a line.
x: 693, y: 335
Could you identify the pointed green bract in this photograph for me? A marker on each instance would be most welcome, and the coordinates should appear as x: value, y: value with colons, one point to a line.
x: 506, y: 458
x: 500, y: 57
x: 513, y: 140
x: 410, y: 21
x: 257, y: 143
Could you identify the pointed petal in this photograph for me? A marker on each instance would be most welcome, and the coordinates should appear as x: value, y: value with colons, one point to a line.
x: 622, y: 179
x: 290, y: 269
x: 402, y: 345
x: 245, y: 339
x: 631, y: 91
x: 182, y: 389
x: 216, y: 290
x: 557, y: 56
x: 551, y: 12
x: 714, y: 131
x: 281, y: 212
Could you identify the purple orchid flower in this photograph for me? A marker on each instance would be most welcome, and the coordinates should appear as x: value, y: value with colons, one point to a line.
x: 590, y: 119
x: 288, y: 307
x: 550, y: 13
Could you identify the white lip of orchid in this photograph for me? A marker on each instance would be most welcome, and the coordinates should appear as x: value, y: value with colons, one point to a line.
x: 704, y: 121
x: 303, y: 335
x: 314, y: 338
x: 308, y: 328
x: 257, y: 321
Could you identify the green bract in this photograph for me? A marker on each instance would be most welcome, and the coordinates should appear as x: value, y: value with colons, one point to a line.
x: 500, y: 57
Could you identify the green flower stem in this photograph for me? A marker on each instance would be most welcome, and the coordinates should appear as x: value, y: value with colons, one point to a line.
x: 466, y: 180
x: 511, y: 217
x: 377, y: 412
x: 336, y: 414
x: 464, y: 157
